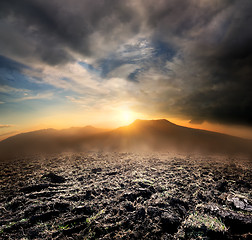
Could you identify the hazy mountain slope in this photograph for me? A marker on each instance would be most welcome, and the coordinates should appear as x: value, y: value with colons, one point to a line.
x: 163, y: 135
x: 142, y: 135
x: 46, y: 140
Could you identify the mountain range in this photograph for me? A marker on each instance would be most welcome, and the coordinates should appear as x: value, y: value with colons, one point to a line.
x: 141, y: 135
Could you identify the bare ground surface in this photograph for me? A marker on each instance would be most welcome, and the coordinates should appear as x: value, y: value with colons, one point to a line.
x: 126, y: 196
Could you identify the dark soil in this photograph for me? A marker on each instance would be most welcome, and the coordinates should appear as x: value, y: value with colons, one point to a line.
x: 126, y: 196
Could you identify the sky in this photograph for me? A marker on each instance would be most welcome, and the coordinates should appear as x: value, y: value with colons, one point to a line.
x: 105, y: 63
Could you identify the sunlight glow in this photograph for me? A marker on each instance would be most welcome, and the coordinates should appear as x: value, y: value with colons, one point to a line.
x: 127, y: 117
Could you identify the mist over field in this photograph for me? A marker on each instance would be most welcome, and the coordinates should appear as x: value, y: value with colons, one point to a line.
x: 140, y: 136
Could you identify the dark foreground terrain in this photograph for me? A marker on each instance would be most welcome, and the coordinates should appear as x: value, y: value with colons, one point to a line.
x: 126, y: 196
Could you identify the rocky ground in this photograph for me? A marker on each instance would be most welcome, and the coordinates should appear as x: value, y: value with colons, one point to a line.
x: 126, y: 196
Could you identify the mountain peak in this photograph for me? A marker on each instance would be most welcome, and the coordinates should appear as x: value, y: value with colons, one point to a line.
x: 152, y: 122
x: 89, y: 126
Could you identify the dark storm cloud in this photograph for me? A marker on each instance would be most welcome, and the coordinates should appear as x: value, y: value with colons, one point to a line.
x: 226, y: 95
x: 53, y: 26
x: 215, y: 76
x: 211, y: 40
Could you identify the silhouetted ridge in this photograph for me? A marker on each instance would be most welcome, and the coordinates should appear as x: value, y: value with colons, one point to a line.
x: 47, y: 141
x: 141, y: 135
x: 164, y: 135
x: 158, y: 122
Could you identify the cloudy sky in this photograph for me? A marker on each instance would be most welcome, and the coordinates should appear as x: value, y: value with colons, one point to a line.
x: 106, y: 62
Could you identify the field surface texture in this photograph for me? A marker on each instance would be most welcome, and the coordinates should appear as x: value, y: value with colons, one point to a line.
x: 97, y: 195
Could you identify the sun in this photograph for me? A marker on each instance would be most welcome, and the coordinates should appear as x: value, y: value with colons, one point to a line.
x: 127, y: 117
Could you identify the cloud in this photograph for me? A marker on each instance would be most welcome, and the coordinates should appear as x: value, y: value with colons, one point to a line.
x: 219, y: 69
x: 196, y: 121
x: 70, y: 77
x: 34, y: 97
x: 53, y: 27
x: 4, y: 126
x: 191, y: 59
x: 212, y: 68
x: 8, y: 89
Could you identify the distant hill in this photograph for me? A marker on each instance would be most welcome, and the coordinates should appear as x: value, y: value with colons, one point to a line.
x: 162, y: 135
x: 46, y: 141
x: 141, y: 135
